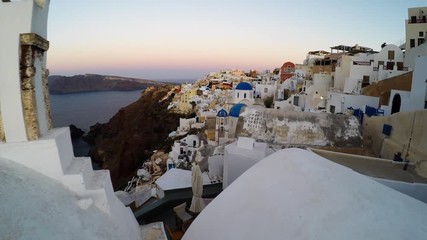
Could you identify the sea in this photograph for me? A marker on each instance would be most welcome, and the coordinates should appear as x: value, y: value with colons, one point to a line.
x: 86, y: 109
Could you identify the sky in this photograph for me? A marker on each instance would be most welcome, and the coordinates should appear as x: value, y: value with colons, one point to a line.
x: 186, y: 39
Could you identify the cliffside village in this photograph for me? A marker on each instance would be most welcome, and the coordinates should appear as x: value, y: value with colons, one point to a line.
x: 355, y: 120
x: 343, y: 100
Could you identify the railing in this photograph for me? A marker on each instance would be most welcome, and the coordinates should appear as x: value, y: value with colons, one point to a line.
x: 419, y: 20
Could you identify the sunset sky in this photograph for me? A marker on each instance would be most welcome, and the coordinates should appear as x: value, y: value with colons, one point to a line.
x: 171, y: 39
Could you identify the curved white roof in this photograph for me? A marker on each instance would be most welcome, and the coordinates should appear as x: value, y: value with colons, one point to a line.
x: 33, y: 206
x: 296, y: 194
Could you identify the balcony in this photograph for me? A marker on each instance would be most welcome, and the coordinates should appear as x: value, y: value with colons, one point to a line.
x: 417, y: 20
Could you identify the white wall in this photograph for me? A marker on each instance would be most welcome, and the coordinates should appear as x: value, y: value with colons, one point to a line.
x: 414, y: 100
x: 239, y: 95
x: 405, y: 103
x: 419, y: 84
x: 383, y: 54
x: 16, y: 18
x: 322, y: 80
x: 342, y: 71
x: 238, y: 160
x: 265, y: 90
x: 343, y: 101
x: 413, y: 53
x: 360, y: 66
x: 315, y: 98
x: 216, y: 167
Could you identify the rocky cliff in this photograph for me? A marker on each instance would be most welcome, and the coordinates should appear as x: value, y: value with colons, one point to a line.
x: 94, y: 82
x: 129, y: 138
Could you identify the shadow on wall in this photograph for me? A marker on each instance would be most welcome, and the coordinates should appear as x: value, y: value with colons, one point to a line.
x: 408, y: 136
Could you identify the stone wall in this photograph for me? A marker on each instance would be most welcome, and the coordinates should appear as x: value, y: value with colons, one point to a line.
x: 408, y: 136
x: 32, y: 50
x: 301, y: 128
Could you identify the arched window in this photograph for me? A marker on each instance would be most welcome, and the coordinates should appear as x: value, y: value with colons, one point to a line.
x: 244, y: 95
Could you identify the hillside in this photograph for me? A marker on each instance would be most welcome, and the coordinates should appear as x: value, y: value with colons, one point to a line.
x: 93, y: 82
x: 129, y: 138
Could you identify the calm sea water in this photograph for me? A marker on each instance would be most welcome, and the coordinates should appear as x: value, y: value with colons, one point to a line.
x: 87, y: 109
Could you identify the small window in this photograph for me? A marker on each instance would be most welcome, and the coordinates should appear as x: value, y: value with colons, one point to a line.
x: 296, y: 100
x: 238, y: 95
x: 421, y: 41
x: 244, y: 95
x: 391, y: 55
x: 332, y: 109
x: 421, y: 34
x: 412, y: 43
x: 390, y: 65
x: 413, y: 19
x: 380, y: 63
x: 365, y: 81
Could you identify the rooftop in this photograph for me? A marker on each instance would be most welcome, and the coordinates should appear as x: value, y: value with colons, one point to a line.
x: 306, y: 196
x: 244, y: 86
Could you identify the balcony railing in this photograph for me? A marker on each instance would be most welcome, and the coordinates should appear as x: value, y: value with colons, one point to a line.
x: 419, y: 20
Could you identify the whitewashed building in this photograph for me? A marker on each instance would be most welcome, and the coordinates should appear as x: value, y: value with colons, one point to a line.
x: 244, y: 93
x: 240, y: 156
x: 415, y: 99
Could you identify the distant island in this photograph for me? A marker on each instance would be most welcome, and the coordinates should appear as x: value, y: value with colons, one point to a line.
x: 94, y: 82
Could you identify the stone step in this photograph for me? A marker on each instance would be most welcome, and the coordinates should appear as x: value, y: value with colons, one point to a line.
x: 78, y: 173
x: 81, y: 165
x: 99, y: 179
x: 100, y: 189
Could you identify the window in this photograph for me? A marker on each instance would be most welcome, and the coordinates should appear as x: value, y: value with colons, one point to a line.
x: 238, y: 95
x: 413, y: 19
x: 421, y: 41
x: 380, y: 63
x: 412, y: 44
x: 390, y: 65
x: 400, y: 66
x: 365, y: 81
x: 332, y: 109
x: 296, y: 100
x: 244, y: 95
x: 420, y: 34
x: 391, y: 55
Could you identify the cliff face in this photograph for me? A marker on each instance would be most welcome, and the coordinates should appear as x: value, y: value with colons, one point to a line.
x: 129, y: 138
x: 93, y: 82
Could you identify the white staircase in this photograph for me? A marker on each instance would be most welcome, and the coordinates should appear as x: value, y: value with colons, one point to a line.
x: 53, y: 156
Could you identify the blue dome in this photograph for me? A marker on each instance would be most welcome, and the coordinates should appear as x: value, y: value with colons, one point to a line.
x: 235, y: 110
x: 244, y: 86
x: 222, y: 113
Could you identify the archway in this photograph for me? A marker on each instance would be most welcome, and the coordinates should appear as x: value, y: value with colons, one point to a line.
x: 395, y: 106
